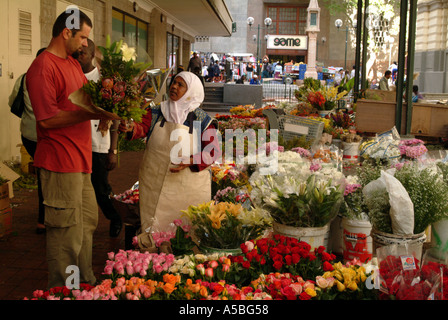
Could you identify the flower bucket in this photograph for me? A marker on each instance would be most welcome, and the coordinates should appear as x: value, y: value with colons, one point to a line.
x: 315, y: 237
x: 324, y: 113
x: 381, y: 239
x: 337, y: 143
x: 350, y: 151
x: 439, y: 238
x: 336, y: 240
x: 357, y: 240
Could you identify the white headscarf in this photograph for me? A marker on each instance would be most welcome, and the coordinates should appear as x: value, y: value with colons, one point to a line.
x: 177, y: 111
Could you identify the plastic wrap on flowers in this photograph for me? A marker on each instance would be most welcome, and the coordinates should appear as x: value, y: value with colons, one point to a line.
x: 385, y: 146
x: 400, y: 276
x: 127, y: 204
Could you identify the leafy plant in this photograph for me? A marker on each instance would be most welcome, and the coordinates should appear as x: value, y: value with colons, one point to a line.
x: 314, y: 205
x: 428, y: 193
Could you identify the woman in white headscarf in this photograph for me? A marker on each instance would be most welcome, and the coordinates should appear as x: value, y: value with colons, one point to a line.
x: 174, y: 172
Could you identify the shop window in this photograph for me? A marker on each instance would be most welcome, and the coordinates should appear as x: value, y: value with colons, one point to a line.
x: 132, y: 30
x: 172, y: 51
x: 287, y: 19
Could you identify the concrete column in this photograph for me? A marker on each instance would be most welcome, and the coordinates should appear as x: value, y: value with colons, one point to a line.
x: 311, y: 62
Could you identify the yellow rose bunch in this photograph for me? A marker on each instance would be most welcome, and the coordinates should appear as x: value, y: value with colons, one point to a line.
x: 346, y: 277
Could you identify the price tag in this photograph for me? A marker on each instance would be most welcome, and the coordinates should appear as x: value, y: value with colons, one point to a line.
x: 408, y: 262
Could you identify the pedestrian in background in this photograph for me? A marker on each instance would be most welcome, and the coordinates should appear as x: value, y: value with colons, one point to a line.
x: 384, y: 82
x: 195, y: 62
x: 29, y: 140
x: 104, y: 149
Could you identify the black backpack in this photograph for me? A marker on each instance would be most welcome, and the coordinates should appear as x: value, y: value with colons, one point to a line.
x: 19, y: 102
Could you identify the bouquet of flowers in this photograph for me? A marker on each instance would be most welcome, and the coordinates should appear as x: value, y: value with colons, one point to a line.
x: 317, y: 100
x: 344, y: 282
x: 226, y: 225
x: 331, y: 96
x: 227, y: 175
x: 412, y: 149
x: 353, y: 206
x: 280, y: 254
x: 299, y: 194
x: 117, y: 93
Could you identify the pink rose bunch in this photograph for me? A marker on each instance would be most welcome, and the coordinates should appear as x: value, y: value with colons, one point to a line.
x: 132, y: 263
x: 350, y: 188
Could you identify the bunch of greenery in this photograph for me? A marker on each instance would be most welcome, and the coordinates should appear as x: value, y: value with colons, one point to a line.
x: 428, y: 193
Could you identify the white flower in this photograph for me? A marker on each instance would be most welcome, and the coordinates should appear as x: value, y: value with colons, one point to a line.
x: 128, y: 53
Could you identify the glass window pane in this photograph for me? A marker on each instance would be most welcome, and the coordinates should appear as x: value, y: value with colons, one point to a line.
x: 130, y: 31
x: 142, y: 39
x: 117, y: 26
x: 287, y: 28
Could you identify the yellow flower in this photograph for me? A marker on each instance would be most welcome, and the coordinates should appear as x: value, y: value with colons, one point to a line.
x: 311, y: 292
x: 340, y: 286
x: 352, y: 286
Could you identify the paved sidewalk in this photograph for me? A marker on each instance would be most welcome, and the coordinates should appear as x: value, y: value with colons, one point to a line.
x: 23, y: 266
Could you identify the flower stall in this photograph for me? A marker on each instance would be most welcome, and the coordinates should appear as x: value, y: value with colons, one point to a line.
x: 312, y: 229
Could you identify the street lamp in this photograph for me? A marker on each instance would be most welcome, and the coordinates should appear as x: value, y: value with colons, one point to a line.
x: 267, y: 23
x: 338, y: 24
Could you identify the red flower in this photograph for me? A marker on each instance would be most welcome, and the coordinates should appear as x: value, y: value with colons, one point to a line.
x: 304, y: 296
x: 327, y: 266
x: 320, y: 249
x: 246, y: 264
x: 278, y: 265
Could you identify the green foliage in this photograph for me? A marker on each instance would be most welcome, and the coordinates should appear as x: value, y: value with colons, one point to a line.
x: 182, y: 243
x: 314, y: 206
x: 295, y: 142
x: 428, y: 193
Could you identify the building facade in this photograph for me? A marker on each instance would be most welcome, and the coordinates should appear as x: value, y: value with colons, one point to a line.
x: 431, y: 46
x: 163, y: 32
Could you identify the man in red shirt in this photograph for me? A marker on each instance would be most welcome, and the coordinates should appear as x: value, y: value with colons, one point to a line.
x: 64, y: 152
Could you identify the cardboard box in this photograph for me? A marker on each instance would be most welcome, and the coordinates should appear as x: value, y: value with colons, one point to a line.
x: 10, y: 175
x: 5, y: 222
x: 4, y: 196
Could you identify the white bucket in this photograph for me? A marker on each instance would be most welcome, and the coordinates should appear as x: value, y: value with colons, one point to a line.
x: 350, y: 151
x: 357, y: 240
x: 336, y: 239
x: 381, y: 239
x: 315, y: 237
x: 439, y: 236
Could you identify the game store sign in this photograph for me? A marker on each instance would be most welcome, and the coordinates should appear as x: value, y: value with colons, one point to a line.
x: 284, y: 41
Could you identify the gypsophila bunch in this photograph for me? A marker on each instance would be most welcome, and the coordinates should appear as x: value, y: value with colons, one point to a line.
x: 428, y: 193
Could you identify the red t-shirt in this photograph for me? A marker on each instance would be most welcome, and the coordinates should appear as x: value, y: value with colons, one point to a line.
x: 50, y: 80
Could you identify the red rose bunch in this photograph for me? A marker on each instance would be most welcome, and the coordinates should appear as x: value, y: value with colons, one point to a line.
x: 404, y: 280
x: 284, y: 255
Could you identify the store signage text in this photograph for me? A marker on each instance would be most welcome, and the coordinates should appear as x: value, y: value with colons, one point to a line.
x: 287, y: 42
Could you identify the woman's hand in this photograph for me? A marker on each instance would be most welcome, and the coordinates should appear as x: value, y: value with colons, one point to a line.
x: 181, y: 166
x: 126, y: 126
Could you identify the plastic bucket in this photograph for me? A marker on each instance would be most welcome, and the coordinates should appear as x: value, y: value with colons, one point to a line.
x: 357, y: 240
x: 350, y: 151
x: 439, y: 237
x: 381, y: 239
x: 336, y: 241
x: 315, y: 237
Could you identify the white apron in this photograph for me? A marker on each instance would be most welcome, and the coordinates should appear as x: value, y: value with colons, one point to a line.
x: 164, y: 194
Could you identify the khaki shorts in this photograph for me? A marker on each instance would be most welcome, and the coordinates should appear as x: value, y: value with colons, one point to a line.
x: 71, y: 217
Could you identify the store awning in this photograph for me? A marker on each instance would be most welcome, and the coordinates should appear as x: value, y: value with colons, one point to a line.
x: 236, y: 54
x: 201, y: 17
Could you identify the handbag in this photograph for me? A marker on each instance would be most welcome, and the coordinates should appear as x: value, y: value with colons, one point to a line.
x: 18, y: 105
